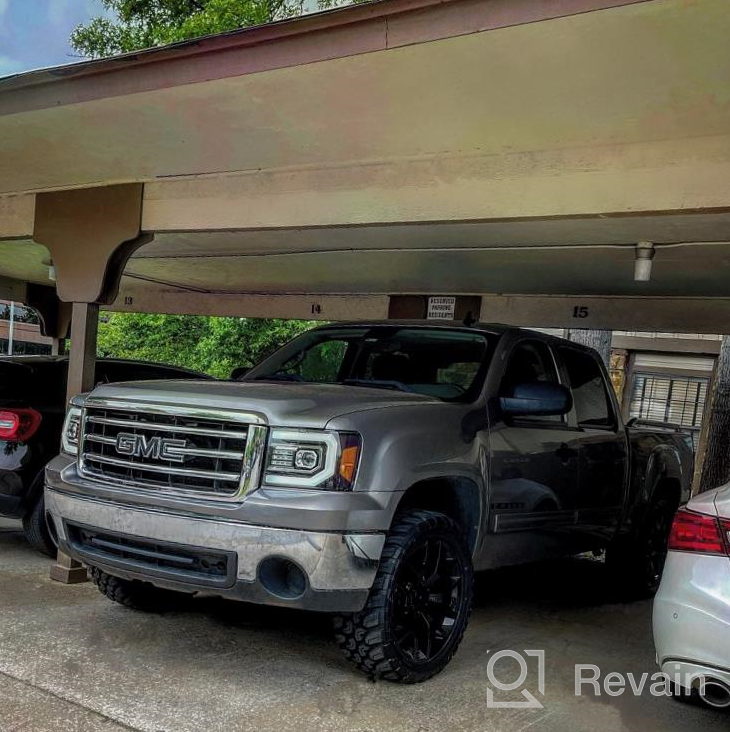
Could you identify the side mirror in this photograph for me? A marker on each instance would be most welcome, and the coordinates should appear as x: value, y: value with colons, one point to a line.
x: 537, y: 399
x: 239, y: 372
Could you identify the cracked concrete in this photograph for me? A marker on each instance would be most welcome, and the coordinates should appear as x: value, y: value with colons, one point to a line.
x: 71, y: 660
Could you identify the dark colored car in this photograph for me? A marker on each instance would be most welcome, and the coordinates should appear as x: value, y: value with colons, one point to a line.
x: 32, y: 409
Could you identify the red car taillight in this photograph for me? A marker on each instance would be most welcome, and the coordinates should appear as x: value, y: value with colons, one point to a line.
x: 696, y: 532
x: 18, y: 424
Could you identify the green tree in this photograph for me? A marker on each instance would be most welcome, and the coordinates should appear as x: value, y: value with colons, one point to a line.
x: 213, y: 345
x: 137, y: 24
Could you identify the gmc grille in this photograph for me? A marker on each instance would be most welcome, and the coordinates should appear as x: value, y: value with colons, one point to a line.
x: 188, y: 451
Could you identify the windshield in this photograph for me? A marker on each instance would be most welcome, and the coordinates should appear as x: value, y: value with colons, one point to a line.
x: 447, y: 364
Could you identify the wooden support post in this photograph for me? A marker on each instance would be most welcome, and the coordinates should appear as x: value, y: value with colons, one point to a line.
x: 90, y: 233
x: 82, y: 353
x: 81, y: 367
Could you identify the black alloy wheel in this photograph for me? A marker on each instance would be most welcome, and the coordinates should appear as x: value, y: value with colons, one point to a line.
x: 427, y: 595
x: 419, y: 606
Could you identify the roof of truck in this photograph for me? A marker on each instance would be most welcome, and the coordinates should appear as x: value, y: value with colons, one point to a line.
x: 493, y: 328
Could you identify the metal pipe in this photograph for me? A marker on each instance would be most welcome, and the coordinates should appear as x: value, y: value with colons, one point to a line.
x: 715, y: 693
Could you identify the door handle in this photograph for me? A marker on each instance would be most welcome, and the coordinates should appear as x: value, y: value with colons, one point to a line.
x: 566, y: 453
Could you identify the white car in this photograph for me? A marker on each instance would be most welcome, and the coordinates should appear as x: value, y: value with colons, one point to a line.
x: 692, y: 607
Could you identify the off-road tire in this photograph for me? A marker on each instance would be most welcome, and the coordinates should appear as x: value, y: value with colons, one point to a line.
x: 134, y: 594
x: 366, y: 637
x: 37, y: 531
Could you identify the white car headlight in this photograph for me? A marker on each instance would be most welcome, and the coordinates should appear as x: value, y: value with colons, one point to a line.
x: 71, y: 431
x: 312, y: 459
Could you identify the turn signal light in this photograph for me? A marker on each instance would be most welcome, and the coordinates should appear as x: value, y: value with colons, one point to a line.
x: 349, y: 456
x: 348, y: 462
x: 19, y: 425
x: 695, y: 532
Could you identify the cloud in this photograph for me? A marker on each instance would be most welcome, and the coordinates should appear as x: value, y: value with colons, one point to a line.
x: 9, y: 65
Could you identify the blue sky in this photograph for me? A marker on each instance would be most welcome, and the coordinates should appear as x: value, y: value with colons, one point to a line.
x: 34, y: 33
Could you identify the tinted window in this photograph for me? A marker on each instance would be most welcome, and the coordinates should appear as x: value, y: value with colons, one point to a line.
x: 530, y: 362
x: 590, y: 398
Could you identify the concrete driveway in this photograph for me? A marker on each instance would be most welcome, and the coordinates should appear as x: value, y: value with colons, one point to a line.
x: 72, y: 660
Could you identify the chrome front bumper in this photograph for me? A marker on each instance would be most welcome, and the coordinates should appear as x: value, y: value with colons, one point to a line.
x: 338, y: 568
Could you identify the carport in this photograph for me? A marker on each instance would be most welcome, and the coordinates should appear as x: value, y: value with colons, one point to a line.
x: 518, y: 155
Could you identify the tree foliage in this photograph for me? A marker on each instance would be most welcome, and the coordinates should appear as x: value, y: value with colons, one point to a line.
x: 131, y: 25
x: 213, y: 345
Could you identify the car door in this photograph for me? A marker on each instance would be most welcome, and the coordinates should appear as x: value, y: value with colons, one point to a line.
x: 602, y: 444
x: 533, y: 461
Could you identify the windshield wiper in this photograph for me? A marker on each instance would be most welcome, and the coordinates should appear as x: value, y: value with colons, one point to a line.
x: 378, y: 384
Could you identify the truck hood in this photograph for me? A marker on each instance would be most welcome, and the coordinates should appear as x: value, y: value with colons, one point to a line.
x: 279, y: 404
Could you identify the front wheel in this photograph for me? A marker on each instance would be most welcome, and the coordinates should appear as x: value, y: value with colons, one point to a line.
x: 419, y: 605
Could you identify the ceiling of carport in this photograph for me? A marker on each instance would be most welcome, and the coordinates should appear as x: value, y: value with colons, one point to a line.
x: 571, y: 256
x: 699, y: 270
x: 575, y: 256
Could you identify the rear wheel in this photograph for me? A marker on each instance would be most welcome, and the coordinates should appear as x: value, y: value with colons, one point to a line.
x: 38, y: 529
x: 134, y: 594
x: 419, y: 606
x: 638, y: 563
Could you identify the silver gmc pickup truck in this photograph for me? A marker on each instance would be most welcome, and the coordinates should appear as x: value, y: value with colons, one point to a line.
x: 366, y: 470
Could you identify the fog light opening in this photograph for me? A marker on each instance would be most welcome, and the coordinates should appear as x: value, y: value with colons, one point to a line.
x: 282, y: 578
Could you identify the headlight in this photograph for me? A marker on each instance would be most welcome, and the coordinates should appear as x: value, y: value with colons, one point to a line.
x: 312, y: 459
x: 71, y: 430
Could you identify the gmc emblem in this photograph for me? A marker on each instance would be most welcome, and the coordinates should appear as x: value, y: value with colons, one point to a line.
x: 157, y: 448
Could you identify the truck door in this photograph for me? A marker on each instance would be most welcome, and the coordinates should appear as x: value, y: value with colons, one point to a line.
x: 602, y: 444
x: 534, y: 462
